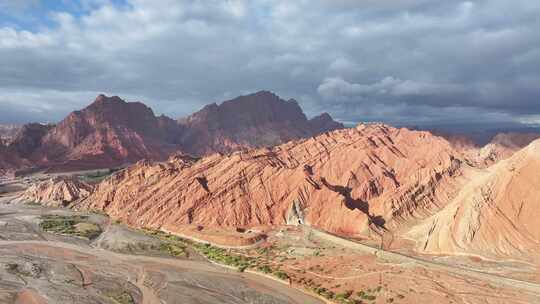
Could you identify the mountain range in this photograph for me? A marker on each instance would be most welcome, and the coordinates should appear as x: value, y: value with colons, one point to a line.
x: 258, y: 161
x: 111, y: 132
x: 364, y: 183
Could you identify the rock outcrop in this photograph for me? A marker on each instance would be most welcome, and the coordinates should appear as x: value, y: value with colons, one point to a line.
x: 355, y: 181
x: 55, y: 192
x: 494, y: 214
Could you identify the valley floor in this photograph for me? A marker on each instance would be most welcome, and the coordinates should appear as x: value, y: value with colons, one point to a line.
x: 40, y: 267
x: 294, y: 264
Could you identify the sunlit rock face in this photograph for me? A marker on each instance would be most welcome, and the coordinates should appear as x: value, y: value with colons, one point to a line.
x: 355, y: 181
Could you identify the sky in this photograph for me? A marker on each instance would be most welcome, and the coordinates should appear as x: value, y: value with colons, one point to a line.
x: 400, y: 62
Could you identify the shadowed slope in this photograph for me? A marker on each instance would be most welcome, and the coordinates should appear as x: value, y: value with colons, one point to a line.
x: 256, y: 120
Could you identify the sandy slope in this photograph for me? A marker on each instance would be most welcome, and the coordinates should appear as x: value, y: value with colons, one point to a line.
x: 494, y: 214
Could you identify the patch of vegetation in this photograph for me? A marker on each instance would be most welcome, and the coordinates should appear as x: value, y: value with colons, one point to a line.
x: 32, y: 204
x: 264, y: 269
x: 345, y: 295
x: 222, y: 256
x: 99, y: 212
x: 175, y: 250
x: 370, y: 297
x: 366, y: 295
x: 121, y: 297
x: 281, y: 275
x: 97, y: 176
x: 176, y: 245
x: 70, y: 225
x: 323, y: 292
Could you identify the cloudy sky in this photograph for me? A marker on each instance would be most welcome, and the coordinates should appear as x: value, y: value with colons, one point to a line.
x: 406, y: 61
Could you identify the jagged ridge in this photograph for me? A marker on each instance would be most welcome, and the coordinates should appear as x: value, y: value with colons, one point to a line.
x: 351, y: 181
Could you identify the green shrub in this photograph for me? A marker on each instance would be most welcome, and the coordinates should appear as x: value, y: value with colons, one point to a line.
x: 281, y: 275
x: 265, y: 269
x: 70, y: 225
x: 121, y: 297
x: 344, y: 295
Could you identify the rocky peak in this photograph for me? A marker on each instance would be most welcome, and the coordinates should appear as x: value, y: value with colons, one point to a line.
x: 103, y: 99
x: 248, y: 111
x: 115, y: 111
x: 324, y: 123
x: 254, y: 120
x: 110, y: 132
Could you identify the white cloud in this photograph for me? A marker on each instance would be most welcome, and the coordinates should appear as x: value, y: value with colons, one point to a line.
x: 10, y: 38
x: 177, y: 55
x: 336, y: 88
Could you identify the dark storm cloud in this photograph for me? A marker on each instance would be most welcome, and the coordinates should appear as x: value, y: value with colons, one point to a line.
x: 397, y: 61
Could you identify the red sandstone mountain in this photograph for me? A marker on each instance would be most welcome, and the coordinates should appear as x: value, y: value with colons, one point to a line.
x: 112, y: 132
x: 57, y: 192
x: 255, y: 120
x: 109, y: 132
x: 358, y: 182
x: 351, y: 181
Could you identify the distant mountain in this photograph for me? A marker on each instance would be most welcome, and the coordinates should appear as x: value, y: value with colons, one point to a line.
x: 111, y: 132
x: 7, y: 132
x: 501, y: 146
x: 255, y: 120
x: 480, y: 134
x: 28, y: 139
